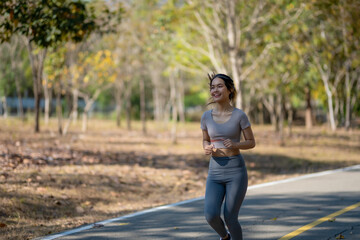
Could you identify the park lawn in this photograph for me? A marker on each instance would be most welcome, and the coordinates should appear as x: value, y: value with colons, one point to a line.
x: 50, y: 183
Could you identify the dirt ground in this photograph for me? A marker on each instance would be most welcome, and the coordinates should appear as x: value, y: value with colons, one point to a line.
x: 49, y: 183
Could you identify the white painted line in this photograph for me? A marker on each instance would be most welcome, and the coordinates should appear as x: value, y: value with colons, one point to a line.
x: 311, y: 175
x: 192, y: 200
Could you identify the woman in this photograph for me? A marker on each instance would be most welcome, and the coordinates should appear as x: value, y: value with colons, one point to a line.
x: 227, y: 178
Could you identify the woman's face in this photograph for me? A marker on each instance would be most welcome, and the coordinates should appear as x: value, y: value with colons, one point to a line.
x: 219, y: 91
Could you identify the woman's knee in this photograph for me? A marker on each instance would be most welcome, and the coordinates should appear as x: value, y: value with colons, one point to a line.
x: 231, y: 220
x: 212, y: 216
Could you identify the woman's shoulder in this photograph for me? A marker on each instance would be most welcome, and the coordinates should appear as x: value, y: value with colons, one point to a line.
x: 239, y: 111
x: 206, y: 113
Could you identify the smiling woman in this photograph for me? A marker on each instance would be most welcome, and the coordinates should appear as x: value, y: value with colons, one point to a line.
x: 227, y: 179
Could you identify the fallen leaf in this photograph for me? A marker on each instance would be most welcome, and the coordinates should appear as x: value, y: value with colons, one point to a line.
x: 274, y: 219
x: 340, y: 237
x: 2, y: 225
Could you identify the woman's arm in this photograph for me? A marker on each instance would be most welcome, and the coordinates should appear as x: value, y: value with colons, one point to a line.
x: 208, y: 147
x: 247, y: 144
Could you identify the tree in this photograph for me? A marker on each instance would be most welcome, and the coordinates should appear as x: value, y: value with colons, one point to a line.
x: 43, y: 24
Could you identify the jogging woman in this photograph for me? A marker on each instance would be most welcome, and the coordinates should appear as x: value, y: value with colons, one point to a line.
x: 227, y: 179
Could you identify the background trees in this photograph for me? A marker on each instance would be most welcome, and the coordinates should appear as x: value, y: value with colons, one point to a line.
x: 290, y: 59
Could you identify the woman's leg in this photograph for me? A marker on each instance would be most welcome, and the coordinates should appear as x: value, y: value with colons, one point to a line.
x: 235, y: 194
x: 214, y: 197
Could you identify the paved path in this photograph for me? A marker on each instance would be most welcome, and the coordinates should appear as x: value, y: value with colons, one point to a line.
x: 270, y: 211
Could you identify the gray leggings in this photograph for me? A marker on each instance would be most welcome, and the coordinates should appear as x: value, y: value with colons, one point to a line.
x: 227, y: 179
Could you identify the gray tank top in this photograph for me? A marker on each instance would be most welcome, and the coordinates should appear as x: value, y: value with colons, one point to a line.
x: 231, y: 129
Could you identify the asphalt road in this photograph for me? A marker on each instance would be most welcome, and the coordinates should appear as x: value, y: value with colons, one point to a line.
x: 326, y: 203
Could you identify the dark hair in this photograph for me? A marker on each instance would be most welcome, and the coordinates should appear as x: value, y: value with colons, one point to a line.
x: 229, y: 83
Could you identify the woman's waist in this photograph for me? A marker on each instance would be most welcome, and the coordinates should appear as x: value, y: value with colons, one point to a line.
x: 224, y: 162
x: 225, y: 152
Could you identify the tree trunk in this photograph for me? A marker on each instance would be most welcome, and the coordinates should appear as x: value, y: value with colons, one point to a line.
x: 325, y: 75
x: 180, y: 101
x: 118, y: 93
x: 59, y: 110
x: 128, y: 107
x: 233, y: 49
x: 142, y: 104
x: 84, y: 121
x: 308, y: 111
x: 74, y: 111
x: 330, y: 106
x: 88, y: 104
x: 260, y: 113
x: 37, y: 64
x: 270, y: 106
x: 290, y: 116
x: 174, y: 107
x: 20, y: 103
x: 47, y: 101
x: 280, y: 117
x: 75, y: 105
x: 15, y: 70
x: 4, y: 104
x: 348, y: 100
x: 159, y: 107
x: 347, y: 70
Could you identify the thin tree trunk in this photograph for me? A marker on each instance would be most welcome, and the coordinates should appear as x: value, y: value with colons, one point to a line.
x: 142, y: 104
x: 84, y: 121
x: 4, y: 104
x: 128, y: 108
x: 347, y: 74
x: 308, y: 111
x: 37, y: 64
x: 75, y: 93
x: 270, y: 106
x: 290, y: 116
x: 20, y: 102
x: 348, y: 100
x: 88, y: 104
x: 233, y: 49
x: 157, y: 96
x: 280, y: 117
x: 174, y: 107
x: 180, y: 101
x: 118, y: 93
x: 330, y: 105
x: 325, y: 75
x: 47, y: 101
x: 59, y: 110
x: 342, y: 112
x: 261, y: 113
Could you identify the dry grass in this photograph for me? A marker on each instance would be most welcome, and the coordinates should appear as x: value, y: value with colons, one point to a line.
x: 49, y: 183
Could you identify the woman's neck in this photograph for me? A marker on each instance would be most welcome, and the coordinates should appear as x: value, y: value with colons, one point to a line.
x: 223, y: 107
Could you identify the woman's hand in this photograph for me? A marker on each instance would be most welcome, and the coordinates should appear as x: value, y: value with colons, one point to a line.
x: 209, y: 149
x: 230, y: 144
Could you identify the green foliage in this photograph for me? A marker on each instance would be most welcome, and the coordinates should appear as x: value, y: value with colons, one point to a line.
x: 46, y: 22
x: 196, y: 97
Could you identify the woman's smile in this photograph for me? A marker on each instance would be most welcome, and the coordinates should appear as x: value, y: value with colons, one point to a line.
x: 218, y: 90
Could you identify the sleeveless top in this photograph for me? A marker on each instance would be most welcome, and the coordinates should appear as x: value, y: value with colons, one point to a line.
x: 230, y: 129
